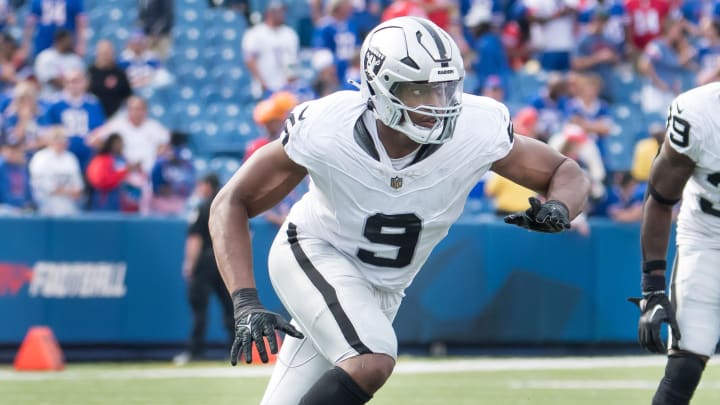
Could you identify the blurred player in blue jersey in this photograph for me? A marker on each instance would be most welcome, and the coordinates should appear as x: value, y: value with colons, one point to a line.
x: 78, y: 112
x: 338, y: 33
x: 48, y: 15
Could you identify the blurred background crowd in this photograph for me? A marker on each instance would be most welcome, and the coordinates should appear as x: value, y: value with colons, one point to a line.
x: 122, y: 105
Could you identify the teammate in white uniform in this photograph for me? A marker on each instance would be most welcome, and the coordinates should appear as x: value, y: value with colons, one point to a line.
x: 391, y: 167
x: 689, y: 166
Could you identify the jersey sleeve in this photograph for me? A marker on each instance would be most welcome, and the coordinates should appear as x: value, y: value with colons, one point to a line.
x: 504, y: 137
x: 685, y: 129
x: 297, y: 137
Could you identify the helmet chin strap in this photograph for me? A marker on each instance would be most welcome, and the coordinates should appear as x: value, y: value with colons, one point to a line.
x: 416, y: 132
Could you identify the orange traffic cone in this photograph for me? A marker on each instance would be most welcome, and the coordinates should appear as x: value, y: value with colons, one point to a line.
x: 271, y: 357
x: 39, y: 351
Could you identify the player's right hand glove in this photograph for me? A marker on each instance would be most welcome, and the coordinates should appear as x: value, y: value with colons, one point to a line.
x: 655, y: 309
x: 252, y: 323
x: 551, y: 217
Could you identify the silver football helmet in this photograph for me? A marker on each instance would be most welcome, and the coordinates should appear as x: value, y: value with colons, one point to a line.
x: 412, y: 75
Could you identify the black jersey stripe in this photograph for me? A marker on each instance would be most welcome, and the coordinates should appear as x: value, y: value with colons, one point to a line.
x: 327, y: 291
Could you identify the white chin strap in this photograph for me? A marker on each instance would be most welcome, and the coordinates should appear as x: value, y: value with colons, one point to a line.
x: 419, y: 133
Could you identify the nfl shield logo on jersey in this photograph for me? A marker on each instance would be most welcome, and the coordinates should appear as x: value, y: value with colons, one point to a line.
x: 396, y: 182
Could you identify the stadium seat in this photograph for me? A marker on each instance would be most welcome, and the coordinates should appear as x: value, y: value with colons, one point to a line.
x: 626, y: 86
x: 191, y: 54
x: 655, y: 118
x: 190, y: 17
x: 221, y: 112
x: 201, y: 164
x: 189, y: 36
x: 524, y: 85
x: 158, y: 112
x: 229, y: 75
x: 258, y: 6
x: 224, y: 167
x: 187, y: 93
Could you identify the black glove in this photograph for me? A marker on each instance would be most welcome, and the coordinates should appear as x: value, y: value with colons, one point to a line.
x: 655, y: 309
x: 553, y: 216
x: 252, y: 322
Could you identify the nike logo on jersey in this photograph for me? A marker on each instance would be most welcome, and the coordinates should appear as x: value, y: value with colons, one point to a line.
x: 302, y: 114
x: 291, y: 120
x: 677, y: 107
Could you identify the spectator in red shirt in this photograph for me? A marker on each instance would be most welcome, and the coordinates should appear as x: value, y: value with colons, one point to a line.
x: 645, y: 20
x: 403, y: 8
x: 106, y: 174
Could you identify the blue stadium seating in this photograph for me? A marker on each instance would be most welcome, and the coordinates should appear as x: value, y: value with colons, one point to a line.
x: 211, y: 98
x: 524, y: 85
x: 224, y: 166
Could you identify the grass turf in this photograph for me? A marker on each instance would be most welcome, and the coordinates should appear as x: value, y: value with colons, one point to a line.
x: 96, y: 384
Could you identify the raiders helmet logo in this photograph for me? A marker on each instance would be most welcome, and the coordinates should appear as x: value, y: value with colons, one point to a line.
x: 373, y: 62
x: 396, y: 182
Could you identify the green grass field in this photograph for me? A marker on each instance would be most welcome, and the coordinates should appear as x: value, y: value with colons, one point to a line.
x: 415, y: 382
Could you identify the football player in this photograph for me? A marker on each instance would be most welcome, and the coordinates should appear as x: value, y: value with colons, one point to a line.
x: 687, y: 166
x: 391, y: 168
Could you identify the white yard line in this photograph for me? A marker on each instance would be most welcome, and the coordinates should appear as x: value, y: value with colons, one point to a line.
x: 405, y: 366
x: 595, y: 384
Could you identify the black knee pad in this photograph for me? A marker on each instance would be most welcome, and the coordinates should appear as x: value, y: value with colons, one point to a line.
x: 682, y: 375
x: 335, y: 387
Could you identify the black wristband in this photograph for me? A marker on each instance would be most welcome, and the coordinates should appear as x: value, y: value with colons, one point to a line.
x: 246, y: 298
x: 652, y: 265
x: 652, y: 283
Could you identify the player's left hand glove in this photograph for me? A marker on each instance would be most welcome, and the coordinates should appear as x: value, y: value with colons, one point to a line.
x: 552, y: 217
x: 655, y: 309
x: 252, y: 323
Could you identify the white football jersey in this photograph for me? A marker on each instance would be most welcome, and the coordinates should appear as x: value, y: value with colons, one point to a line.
x: 694, y: 131
x: 385, y: 220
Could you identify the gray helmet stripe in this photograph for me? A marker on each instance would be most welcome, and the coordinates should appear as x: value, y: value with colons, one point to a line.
x: 442, y: 51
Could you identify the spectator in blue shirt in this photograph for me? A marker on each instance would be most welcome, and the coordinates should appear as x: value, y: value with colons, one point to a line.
x: 692, y: 11
x: 15, y: 193
x: 666, y: 62
x: 596, y: 53
x: 490, y: 57
x: 625, y: 200
x: 173, y: 177
x: 709, y: 52
x: 615, y: 25
x: 7, y: 14
x: 366, y: 15
x: 551, y: 105
x: 48, y: 15
x: 21, y: 117
x: 588, y: 111
x: 79, y: 113
x: 139, y: 62
x: 338, y: 33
